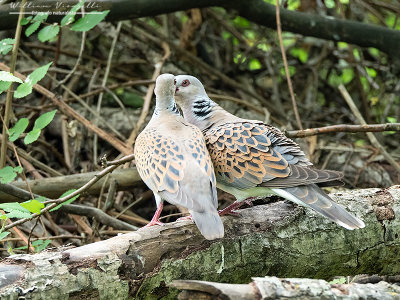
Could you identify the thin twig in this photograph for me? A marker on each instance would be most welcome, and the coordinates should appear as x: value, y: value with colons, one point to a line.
x: 66, y: 109
x: 370, y: 135
x: 103, y: 84
x: 54, y: 203
x: 344, y: 128
x: 30, y: 235
x: 289, y: 81
x: 10, y: 91
x: 78, y: 61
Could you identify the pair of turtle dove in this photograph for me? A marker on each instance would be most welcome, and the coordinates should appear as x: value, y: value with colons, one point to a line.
x: 177, y: 157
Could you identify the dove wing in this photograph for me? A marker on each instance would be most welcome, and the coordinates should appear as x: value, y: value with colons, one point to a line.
x: 249, y: 154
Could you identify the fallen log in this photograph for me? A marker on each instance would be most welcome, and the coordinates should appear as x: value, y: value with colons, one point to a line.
x: 275, y: 239
x: 54, y: 187
x: 285, y: 288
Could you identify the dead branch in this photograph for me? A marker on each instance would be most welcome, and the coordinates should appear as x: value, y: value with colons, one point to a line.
x: 343, y: 128
x: 275, y: 239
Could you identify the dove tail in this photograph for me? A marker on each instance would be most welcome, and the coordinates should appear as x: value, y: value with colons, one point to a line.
x: 209, y: 224
x: 312, y: 196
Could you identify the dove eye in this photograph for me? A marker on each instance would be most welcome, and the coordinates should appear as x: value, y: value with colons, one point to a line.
x: 185, y: 82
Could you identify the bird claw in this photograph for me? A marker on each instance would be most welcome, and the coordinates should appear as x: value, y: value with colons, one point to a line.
x: 154, y: 223
x: 184, y: 218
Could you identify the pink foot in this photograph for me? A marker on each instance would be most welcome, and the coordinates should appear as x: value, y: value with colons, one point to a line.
x: 154, y: 223
x: 229, y: 210
x: 184, y: 218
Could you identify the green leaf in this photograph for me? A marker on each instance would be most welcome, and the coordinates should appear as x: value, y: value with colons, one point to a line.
x: 347, y: 75
x: 300, y: 53
x: 371, y: 72
x: 6, y: 45
x: 4, y: 234
x: 4, y: 85
x: 89, y: 21
x: 18, y: 214
x: 13, y: 206
x: 23, y: 90
x: 7, y: 76
x: 25, y: 21
x: 18, y: 129
x: 26, y: 88
x: 7, y: 175
x: 32, y: 136
x: 33, y: 206
x: 40, y: 245
x: 32, y: 28
x: 18, y: 169
x: 48, y: 32
x: 41, y: 17
x: 254, y: 64
x: 68, y: 201
x: 391, y: 119
x: 44, y: 119
x: 70, y: 17
x: 39, y: 73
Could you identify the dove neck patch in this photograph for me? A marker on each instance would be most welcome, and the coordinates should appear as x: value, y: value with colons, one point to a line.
x: 202, y: 108
x: 172, y: 108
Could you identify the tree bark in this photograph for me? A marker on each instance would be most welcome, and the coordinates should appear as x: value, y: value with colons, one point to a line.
x: 257, y: 11
x: 276, y: 239
x: 286, y: 288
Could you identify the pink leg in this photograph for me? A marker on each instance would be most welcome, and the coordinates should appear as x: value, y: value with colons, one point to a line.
x: 229, y: 210
x: 184, y: 218
x: 154, y: 220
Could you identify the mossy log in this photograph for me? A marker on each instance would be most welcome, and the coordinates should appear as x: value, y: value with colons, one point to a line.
x: 275, y: 239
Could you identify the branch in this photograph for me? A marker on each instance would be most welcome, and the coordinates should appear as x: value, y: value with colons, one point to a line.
x: 54, y: 186
x: 275, y: 239
x: 257, y: 11
x: 343, y: 128
x: 283, y: 288
x: 67, y: 110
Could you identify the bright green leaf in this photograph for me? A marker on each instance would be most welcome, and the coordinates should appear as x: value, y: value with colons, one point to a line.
x: 23, y: 90
x: 13, y: 206
x: 241, y: 22
x: 44, y: 119
x: 89, y: 20
x: 6, y: 45
x: 330, y: 3
x: 18, y: 169
x: 4, y: 85
x: 70, y: 17
x: 32, y: 28
x: 254, y: 64
x: 39, y: 73
x: 371, y: 72
x: 33, y: 206
x: 7, y: 175
x: 7, y: 76
x: 391, y: 119
x: 300, y: 53
x: 68, y: 201
x: 32, y: 136
x: 25, y: 21
x: 4, y: 234
x: 18, y: 129
x: 41, y: 17
x: 48, y: 32
x: 347, y: 75
x: 26, y: 88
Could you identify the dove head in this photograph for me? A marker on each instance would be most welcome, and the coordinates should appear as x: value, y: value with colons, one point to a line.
x: 164, y: 90
x: 187, y: 89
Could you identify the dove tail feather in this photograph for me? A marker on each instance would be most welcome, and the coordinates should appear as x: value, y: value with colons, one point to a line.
x: 209, y: 223
x: 312, y: 196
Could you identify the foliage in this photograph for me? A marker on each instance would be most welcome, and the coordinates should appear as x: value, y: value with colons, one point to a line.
x: 49, y: 32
